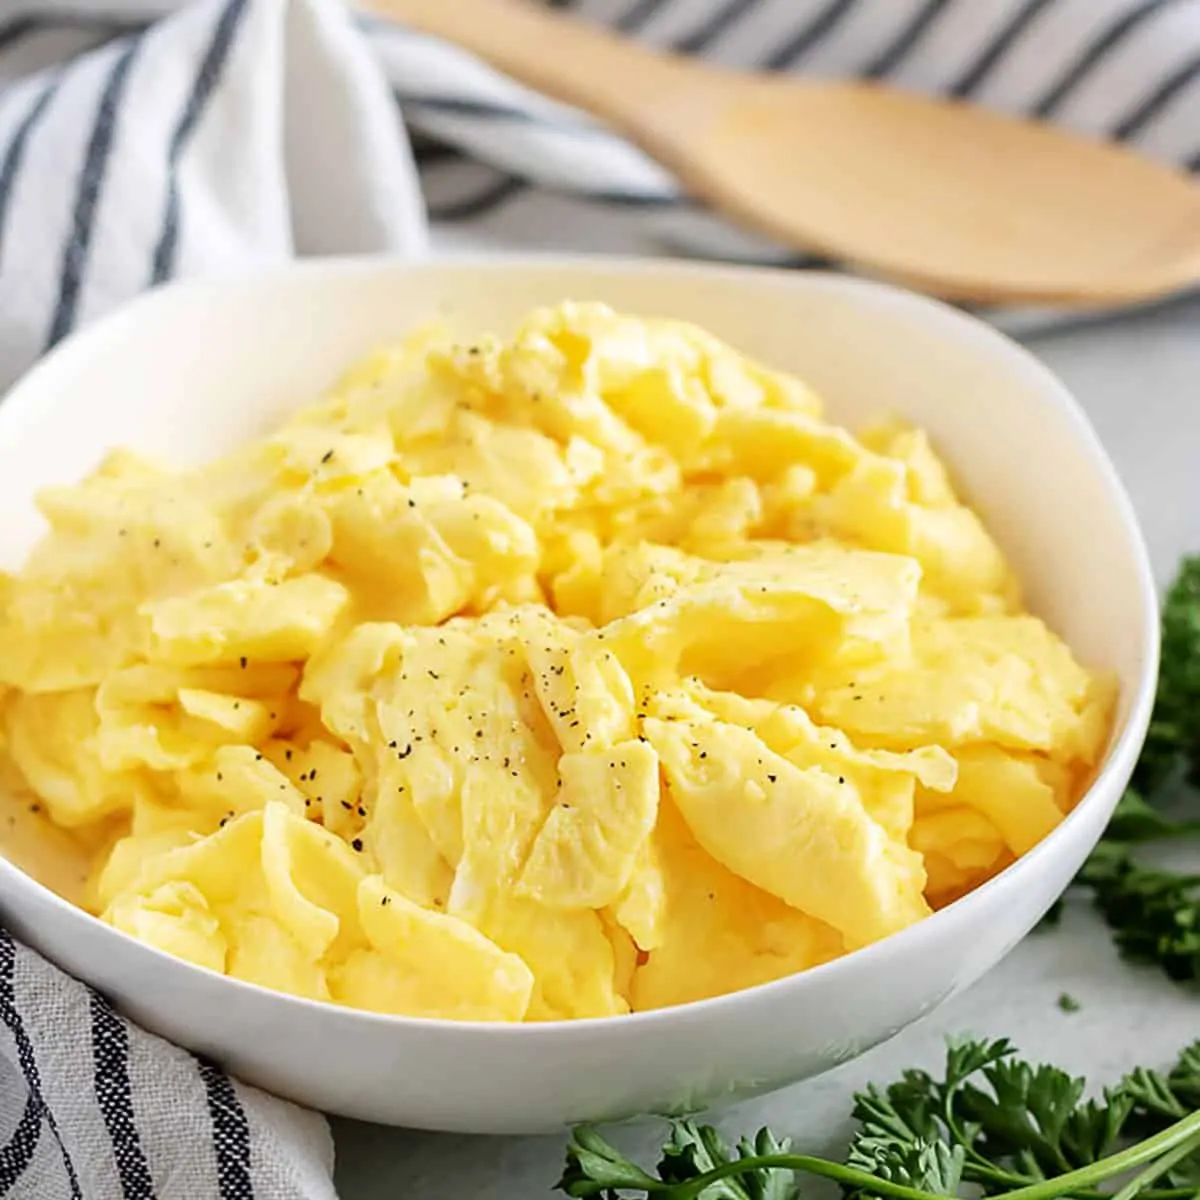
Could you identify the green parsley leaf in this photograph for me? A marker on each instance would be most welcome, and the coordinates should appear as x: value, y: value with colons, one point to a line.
x: 691, y: 1153
x: 1154, y: 914
x: 1173, y: 741
x: 692, y: 1150
x: 1159, y: 1101
x: 1137, y: 820
x: 596, y: 1168
x: 926, y: 1164
x: 1013, y: 1123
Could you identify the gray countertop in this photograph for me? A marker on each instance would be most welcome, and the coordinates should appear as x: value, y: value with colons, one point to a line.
x: 1139, y: 379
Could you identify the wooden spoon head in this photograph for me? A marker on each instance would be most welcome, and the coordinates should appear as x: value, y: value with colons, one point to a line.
x: 952, y: 199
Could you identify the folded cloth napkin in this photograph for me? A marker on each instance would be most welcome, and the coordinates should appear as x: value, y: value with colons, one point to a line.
x: 145, y: 140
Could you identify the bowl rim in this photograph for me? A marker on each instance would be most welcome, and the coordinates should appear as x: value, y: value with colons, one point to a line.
x: 21, y: 403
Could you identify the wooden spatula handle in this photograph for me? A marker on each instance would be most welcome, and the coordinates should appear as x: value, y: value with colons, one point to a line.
x: 578, y: 63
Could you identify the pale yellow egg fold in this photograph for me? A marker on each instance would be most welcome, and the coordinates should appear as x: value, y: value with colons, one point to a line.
x: 802, y: 834
x: 276, y: 900
x: 580, y: 671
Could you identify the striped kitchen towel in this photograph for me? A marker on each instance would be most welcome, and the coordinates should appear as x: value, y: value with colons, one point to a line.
x: 93, y: 1108
x: 222, y: 135
x: 144, y: 140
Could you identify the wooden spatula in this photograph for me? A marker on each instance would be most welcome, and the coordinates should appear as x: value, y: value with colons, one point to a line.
x: 948, y: 198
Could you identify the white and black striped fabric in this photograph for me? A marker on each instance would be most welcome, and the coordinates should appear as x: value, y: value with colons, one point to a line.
x: 144, y: 140
x: 93, y: 1108
x: 227, y: 133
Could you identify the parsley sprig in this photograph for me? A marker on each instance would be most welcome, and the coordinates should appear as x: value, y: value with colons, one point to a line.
x: 1154, y: 913
x: 992, y: 1125
x: 1173, y: 739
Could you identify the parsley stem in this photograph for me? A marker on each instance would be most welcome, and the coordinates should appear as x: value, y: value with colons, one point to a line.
x: 1183, y: 1134
x: 849, y: 1176
x: 1138, y: 1184
x: 978, y: 1169
x: 1161, y: 1151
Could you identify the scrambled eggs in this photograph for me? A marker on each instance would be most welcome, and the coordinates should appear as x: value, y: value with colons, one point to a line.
x: 586, y: 672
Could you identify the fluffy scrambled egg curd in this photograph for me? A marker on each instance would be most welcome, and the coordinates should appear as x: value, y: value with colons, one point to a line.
x: 585, y: 672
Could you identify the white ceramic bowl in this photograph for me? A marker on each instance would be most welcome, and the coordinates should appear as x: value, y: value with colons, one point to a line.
x: 190, y: 370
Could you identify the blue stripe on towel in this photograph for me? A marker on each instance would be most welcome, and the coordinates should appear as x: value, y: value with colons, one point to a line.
x: 114, y: 1096
x: 11, y: 1016
x: 231, y: 1133
x: 88, y: 193
x: 10, y: 166
x: 206, y: 81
